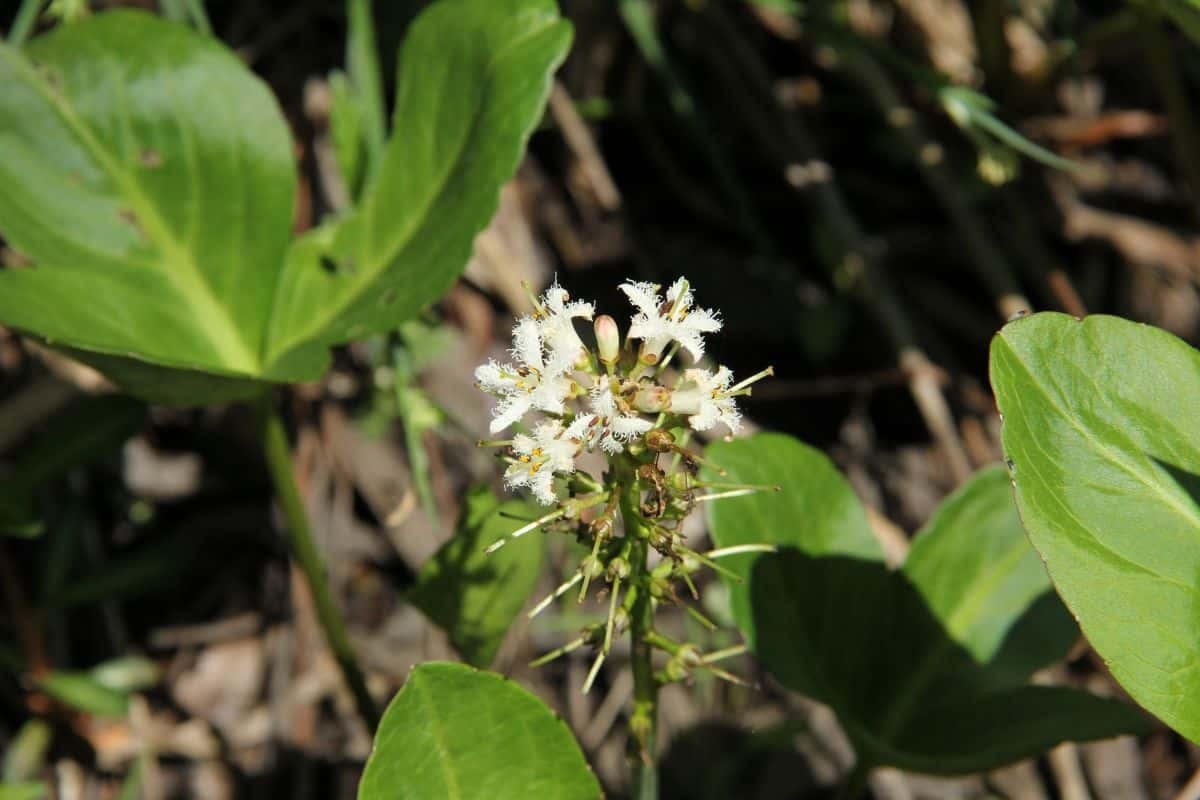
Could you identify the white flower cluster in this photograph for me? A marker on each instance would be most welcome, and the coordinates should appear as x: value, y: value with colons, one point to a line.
x: 616, y: 393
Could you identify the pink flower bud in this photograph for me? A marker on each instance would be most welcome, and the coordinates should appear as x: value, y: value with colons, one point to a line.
x: 608, y: 338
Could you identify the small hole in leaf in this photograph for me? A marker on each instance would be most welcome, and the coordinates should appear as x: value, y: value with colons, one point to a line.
x: 329, y: 265
x: 388, y: 298
x: 150, y: 158
x: 131, y: 219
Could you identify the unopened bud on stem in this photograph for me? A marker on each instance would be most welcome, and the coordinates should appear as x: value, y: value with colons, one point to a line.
x: 608, y: 339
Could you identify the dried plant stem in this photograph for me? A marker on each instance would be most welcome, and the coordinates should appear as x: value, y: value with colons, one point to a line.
x: 858, y: 270
x: 304, y: 550
x: 988, y: 263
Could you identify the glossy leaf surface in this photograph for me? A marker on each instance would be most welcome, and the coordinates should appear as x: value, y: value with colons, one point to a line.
x: 1100, y: 427
x: 151, y: 183
x: 456, y: 732
x: 473, y: 80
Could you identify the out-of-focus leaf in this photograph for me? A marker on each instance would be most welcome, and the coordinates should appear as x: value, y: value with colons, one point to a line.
x: 362, y: 63
x: 453, y: 731
x: 1101, y: 430
x: 128, y: 674
x: 136, y: 572
x: 25, y: 757
x: 24, y: 791
x: 903, y: 657
x: 475, y: 596
x: 80, y: 433
x: 81, y: 691
x: 473, y: 81
x: 346, y: 132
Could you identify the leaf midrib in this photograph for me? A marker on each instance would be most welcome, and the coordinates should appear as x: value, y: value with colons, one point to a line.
x: 224, y: 336
x: 402, y: 239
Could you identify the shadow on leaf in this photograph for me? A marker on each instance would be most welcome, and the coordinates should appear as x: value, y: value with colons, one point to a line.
x: 861, y: 638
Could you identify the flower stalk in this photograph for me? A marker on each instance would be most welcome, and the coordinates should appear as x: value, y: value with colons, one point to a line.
x: 616, y: 399
x: 304, y: 550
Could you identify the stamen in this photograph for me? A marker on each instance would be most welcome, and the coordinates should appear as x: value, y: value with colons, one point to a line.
x: 553, y: 515
x: 574, y: 644
x: 719, y: 655
x: 758, y: 376
x: 726, y: 495
x: 557, y: 593
x: 612, y: 614
x: 593, y: 672
x: 703, y: 620
x: 738, y: 549
x: 533, y: 299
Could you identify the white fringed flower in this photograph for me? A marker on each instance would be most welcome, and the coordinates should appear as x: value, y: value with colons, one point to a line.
x: 549, y: 451
x: 533, y: 383
x: 616, y: 427
x: 707, y: 398
x: 554, y: 320
x: 673, y: 318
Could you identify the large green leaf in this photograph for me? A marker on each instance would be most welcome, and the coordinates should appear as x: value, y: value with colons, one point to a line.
x: 150, y: 184
x: 474, y: 596
x: 924, y: 666
x: 474, y: 77
x: 1102, y: 432
x: 977, y: 573
x: 150, y: 181
x: 455, y: 732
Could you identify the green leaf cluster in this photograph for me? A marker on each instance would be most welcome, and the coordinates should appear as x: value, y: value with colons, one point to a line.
x: 150, y: 183
x: 926, y: 666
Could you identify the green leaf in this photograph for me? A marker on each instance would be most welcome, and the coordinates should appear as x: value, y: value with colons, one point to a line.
x: 346, y: 132
x: 473, y: 81
x: 25, y: 757
x: 150, y: 181
x: 1102, y: 431
x: 23, y: 791
x: 475, y: 596
x: 81, y: 691
x: 905, y: 658
x: 455, y: 732
x: 977, y: 573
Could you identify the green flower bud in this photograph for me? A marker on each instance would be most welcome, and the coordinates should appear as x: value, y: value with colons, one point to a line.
x: 618, y: 569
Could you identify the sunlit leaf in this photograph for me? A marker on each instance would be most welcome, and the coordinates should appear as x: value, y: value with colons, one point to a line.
x: 1100, y: 427
x: 150, y: 182
x: 473, y: 80
x: 454, y: 731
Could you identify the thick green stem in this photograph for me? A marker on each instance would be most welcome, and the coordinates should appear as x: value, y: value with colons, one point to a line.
x: 304, y: 550
x: 644, y: 722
